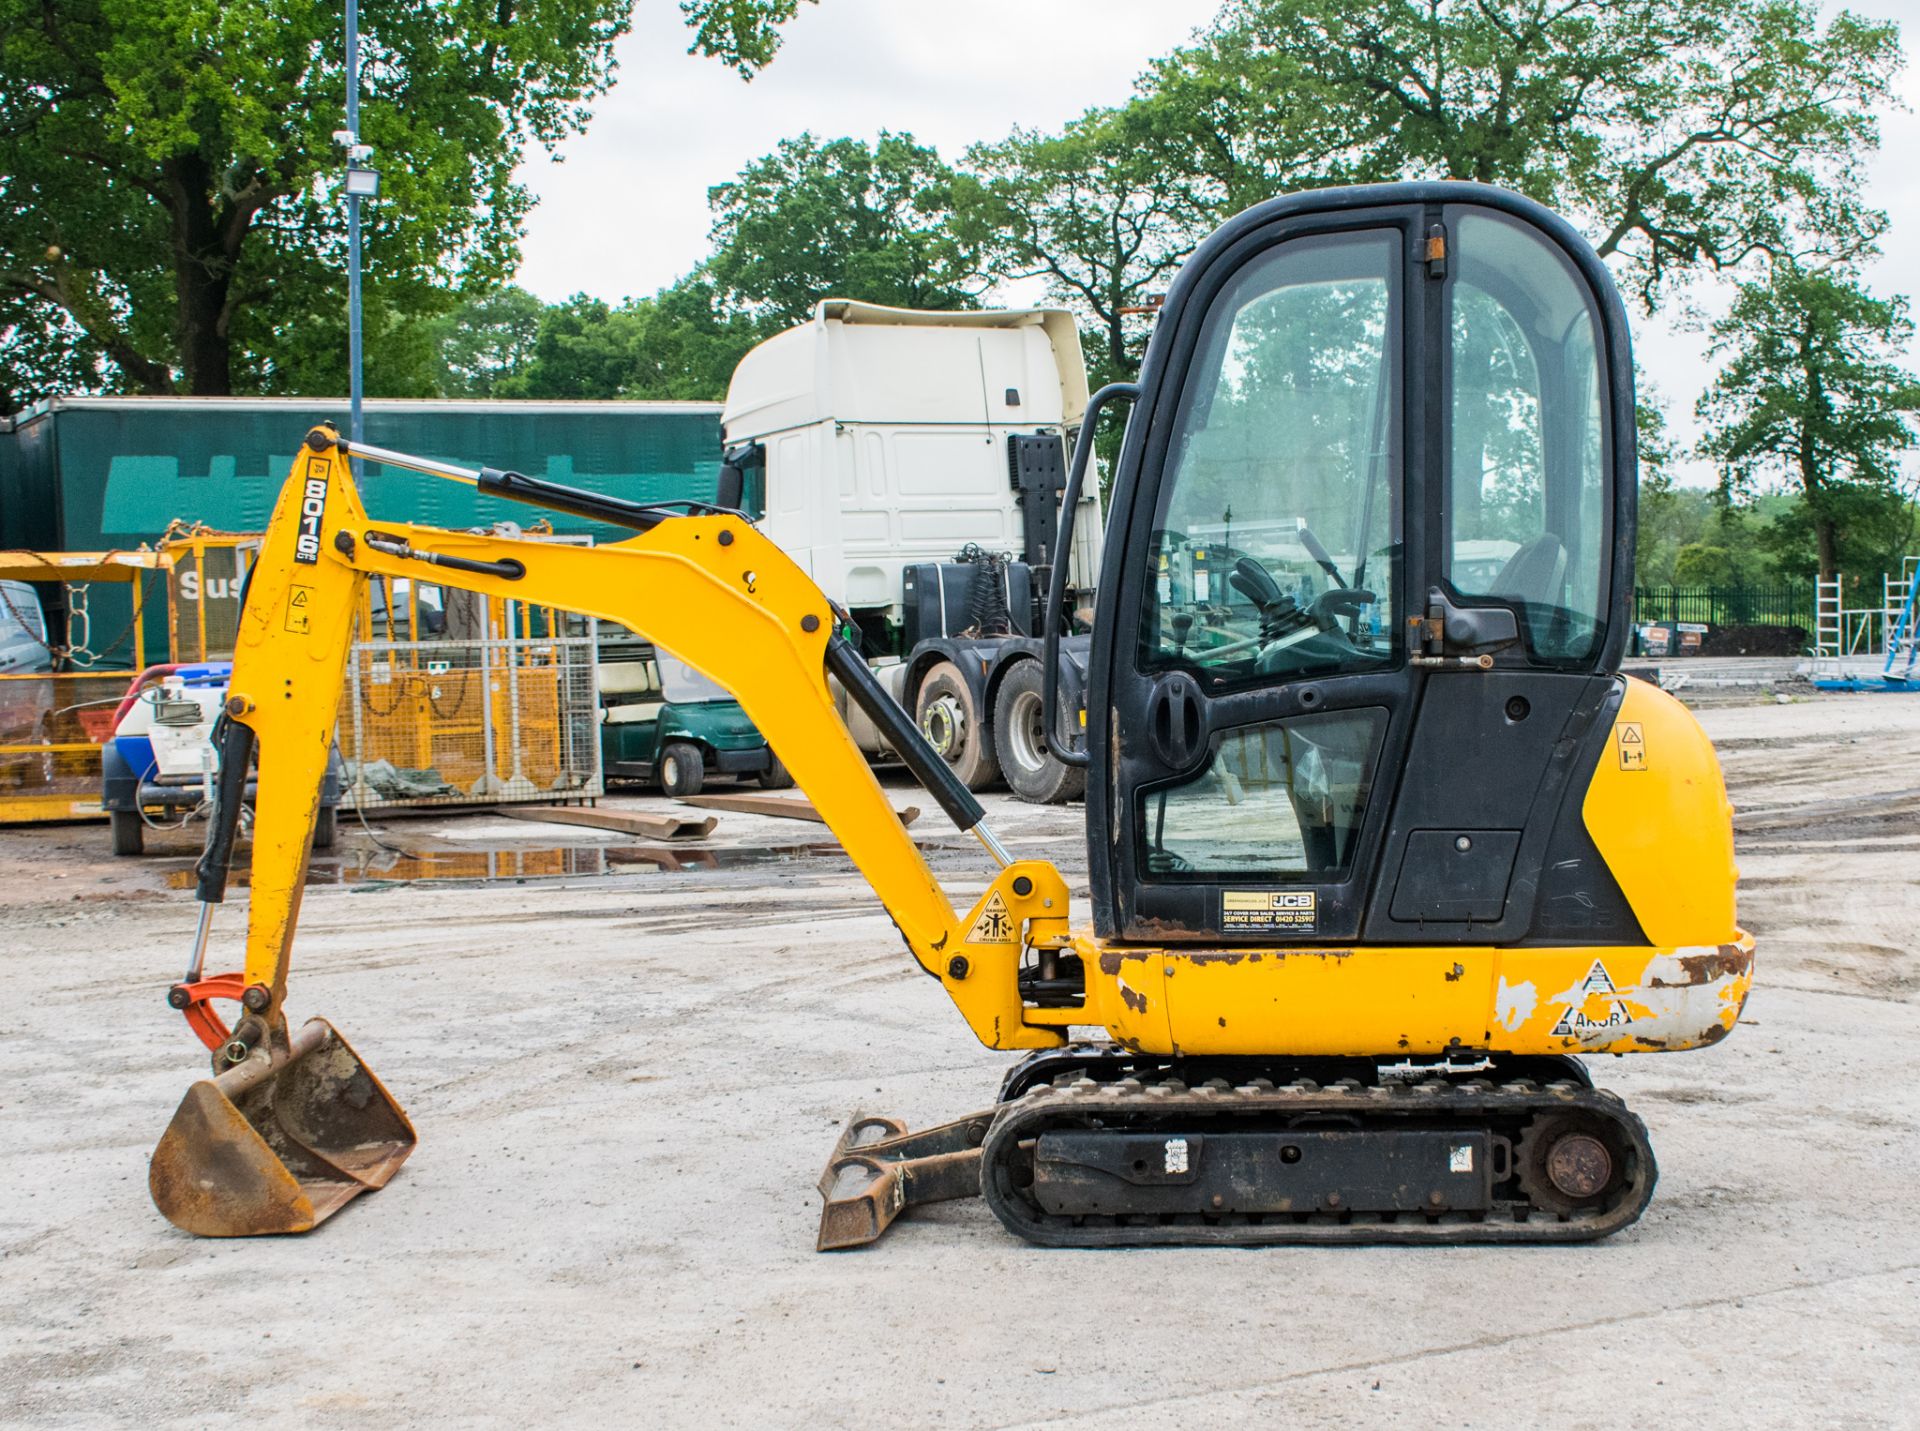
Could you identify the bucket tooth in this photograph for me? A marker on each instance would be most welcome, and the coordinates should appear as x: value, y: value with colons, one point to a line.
x: 878, y: 1170
x: 266, y: 1148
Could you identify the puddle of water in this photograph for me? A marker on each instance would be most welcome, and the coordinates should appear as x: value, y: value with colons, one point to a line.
x: 380, y: 865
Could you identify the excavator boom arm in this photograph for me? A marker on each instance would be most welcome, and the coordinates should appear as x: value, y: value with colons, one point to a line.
x: 712, y: 590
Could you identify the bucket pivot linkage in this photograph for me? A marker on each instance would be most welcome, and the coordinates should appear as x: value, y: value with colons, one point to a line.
x: 291, y: 1126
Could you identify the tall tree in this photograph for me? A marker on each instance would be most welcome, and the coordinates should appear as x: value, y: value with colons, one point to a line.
x: 841, y: 218
x: 689, y: 342
x: 1812, y: 396
x: 486, y: 341
x: 169, y: 188
x: 1090, y: 212
x: 1679, y: 135
x: 681, y: 344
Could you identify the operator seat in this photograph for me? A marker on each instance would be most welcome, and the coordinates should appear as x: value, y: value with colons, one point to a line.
x: 1533, y: 574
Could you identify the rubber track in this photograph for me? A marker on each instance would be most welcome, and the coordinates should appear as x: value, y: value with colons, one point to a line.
x: 1074, y: 1101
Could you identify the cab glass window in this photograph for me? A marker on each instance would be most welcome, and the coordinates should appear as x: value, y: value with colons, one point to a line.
x: 1525, y: 399
x: 1275, y: 548
x: 1281, y: 798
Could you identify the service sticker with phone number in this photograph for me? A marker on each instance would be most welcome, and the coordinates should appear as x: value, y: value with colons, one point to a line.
x: 1269, y: 911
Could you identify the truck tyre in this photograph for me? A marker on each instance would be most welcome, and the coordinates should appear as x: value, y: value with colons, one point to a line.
x: 1020, y: 736
x: 775, y: 776
x: 944, y: 710
x: 682, y: 771
x: 129, y: 832
x: 326, y: 827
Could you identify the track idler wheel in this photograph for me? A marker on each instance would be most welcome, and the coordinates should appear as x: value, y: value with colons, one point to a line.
x: 1568, y: 1162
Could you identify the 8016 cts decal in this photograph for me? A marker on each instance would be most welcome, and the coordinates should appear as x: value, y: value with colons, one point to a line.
x: 313, y: 507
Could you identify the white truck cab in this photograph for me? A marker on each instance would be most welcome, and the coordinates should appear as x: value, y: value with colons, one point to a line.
x: 912, y: 462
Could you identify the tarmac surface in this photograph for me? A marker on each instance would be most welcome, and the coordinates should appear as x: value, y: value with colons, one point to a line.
x: 626, y: 1083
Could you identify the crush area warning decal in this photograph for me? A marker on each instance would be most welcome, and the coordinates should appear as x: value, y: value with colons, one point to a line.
x: 1269, y: 911
x: 299, y: 610
x: 994, y: 926
x: 1633, y: 745
x: 1576, y: 1021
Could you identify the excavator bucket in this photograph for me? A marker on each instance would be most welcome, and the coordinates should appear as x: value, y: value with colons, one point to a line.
x: 279, y: 1148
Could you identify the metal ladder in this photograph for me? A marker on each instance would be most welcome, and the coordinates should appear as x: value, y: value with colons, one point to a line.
x: 1828, y: 638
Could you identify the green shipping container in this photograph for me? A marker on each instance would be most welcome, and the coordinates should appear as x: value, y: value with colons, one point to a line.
x: 94, y: 474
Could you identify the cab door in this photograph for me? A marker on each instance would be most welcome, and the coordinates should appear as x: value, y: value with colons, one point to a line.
x: 1360, y: 573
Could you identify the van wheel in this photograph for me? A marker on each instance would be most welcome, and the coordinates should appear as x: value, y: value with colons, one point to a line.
x: 326, y: 827
x: 682, y: 771
x: 956, y: 729
x: 1020, y: 735
x: 775, y: 776
x: 129, y: 832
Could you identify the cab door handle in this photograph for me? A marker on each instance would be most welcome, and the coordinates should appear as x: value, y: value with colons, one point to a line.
x: 1176, y: 722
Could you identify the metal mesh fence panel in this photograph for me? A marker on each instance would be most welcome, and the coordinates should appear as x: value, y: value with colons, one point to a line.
x: 481, y: 721
x: 51, y: 730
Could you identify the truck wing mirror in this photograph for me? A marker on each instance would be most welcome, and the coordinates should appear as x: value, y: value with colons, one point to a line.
x: 733, y: 488
x: 1062, y: 741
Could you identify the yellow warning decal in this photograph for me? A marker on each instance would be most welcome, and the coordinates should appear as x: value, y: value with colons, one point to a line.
x: 299, y: 602
x: 994, y: 926
x: 1633, y: 745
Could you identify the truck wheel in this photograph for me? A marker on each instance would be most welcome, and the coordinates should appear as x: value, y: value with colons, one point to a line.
x: 682, y: 771
x: 129, y: 833
x: 326, y: 827
x: 1020, y: 735
x: 945, y: 712
x: 775, y: 776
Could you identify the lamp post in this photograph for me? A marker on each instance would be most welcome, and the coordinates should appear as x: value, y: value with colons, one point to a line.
x: 363, y: 182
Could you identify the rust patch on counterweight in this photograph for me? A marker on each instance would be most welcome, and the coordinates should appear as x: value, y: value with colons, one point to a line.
x: 1729, y: 960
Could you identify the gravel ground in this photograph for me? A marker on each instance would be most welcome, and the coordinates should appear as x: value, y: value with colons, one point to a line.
x: 626, y: 1083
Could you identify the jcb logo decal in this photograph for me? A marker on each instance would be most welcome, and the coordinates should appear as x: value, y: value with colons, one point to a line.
x: 313, y: 507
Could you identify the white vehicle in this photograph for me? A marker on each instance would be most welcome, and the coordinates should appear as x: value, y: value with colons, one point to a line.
x: 912, y: 463
x: 23, y: 631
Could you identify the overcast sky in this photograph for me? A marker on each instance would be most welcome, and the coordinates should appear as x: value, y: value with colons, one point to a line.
x: 624, y: 212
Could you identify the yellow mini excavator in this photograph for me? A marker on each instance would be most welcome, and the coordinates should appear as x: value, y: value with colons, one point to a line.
x: 1379, y: 839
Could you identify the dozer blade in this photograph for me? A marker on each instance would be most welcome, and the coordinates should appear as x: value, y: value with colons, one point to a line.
x: 878, y: 1170
x: 263, y: 1149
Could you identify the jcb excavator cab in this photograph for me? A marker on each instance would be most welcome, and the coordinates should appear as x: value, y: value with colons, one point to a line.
x: 1369, y: 558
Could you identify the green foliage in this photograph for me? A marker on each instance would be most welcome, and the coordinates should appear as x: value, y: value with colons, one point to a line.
x: 401, y: 354
x: 486, y: 340
x: 676, y: 345
x: 173, y: 187
x: 742, y: 33
x: 44, y: 353
x: 584, y: 349
x: 1872, y: 531
x: 690, y: 343
x: 1678, y: 134
x: 1813, y: 397
x: 1711, y: 564
x: 840, y: 218
x: 170, y: 212
x: 1091, y: 212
